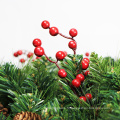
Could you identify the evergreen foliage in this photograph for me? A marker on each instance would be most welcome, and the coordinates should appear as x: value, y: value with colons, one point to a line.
x: 37, y: 88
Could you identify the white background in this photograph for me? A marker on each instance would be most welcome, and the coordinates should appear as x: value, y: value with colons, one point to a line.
x: 97, y: 22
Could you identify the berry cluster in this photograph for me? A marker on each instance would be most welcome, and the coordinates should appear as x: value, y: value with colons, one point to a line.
x: 60, y: 55
x: 54, y: 31
x: 87, y: 96
x: 80, y: 77
x: 23, y: 52
x: 87, y: 71
x: 19, y: 52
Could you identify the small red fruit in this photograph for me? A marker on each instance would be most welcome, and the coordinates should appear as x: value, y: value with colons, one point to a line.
x: 65, y: 53
x: 45, y: 24
x: 62, y: 73
x: 33, y: 60
x: 87, y: 72
x: 38, y: 57
x: 85, y: 64
x: 80, y: 77
x: 15, y: 54
x: 73, y: 32
x: 72, y: 44
x: 60, y: 55
x: 83, y: 98
x: 76, y: 82
x: 87, y: 59
x: 37, y: 42
x: 22, y: 60
x: 30, y: 54
x: 53, y: 31
x: 19, y: 52
x: 87, y: 54
x: 88, y: 96
x: 39, y: 51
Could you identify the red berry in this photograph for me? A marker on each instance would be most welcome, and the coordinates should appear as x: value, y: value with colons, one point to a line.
x: 62, y: 73
x: 33, y: 60
x: 87, y: 59
x: 37, y: 42
x: 39, y: 51
x: 19, y: 52
x: 85, y: 64
x: 45, y: 24
x: 29, y: 54
x: 83, y: 98
x: 38, y: 57
x: 15, y: 54
x: 73, y: 32
x: 72, y: 44
x: 60, y: 55
x: 22, y: 60
x: 87, y: 54
x: 53, y: 31
x: 87, y: 72
x: 80, y: 77
x: 65, y: 53
x: 88, y: 96
x: 76, y: 82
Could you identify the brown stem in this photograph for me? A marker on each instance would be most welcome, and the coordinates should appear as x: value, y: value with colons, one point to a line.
x: 52, y: 61
x: 66, y: 36
x: 74, y: 52
x: 66, y: 79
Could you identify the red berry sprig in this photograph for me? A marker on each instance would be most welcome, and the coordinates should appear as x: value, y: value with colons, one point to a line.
x: 54, y: 32
x: 21, y: 53
x: 87, y: 96
x: 60, y: 55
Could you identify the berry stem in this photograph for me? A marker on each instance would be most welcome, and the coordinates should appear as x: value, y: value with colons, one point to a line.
x: 66, y: 36
x: 52, y: 61
x: 74, y: 52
